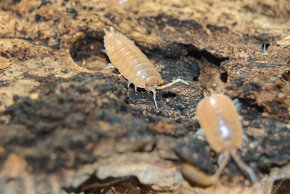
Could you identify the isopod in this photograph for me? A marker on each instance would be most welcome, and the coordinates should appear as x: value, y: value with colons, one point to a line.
x: 121, y: 4
x: 285, y: 42
x: 219, y: 119
x: 133, y: 64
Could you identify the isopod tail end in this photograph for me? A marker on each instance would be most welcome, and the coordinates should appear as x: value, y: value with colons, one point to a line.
x: 110, y: 30
x: 110, y: 66
x: 106, y: 30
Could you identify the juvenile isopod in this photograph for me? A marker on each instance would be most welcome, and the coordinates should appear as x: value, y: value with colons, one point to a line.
x: 133, y: 64
x: 285, y: 42
x: 219, y: 119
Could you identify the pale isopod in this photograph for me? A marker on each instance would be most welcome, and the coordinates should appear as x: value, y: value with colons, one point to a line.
x: 121, y: 4
x: 285, y: 42
x: 133, y: 64
x: 219, y: 119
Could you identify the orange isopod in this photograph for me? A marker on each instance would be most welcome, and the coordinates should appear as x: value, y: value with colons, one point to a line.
x: 133, y: 64
x: 219, y: 119
x: 285, y: 42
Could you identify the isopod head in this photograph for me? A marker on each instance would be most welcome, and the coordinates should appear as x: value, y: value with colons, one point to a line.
x: 153, y: 81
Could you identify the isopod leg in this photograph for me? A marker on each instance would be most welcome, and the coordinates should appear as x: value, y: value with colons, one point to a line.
x: 171, y: 83
x: 135, y: 88
x: 237, y: 104
x: 243, y: 166
x: 200, y: 132
x: 154, y: 98
x: 110, y: 66
x: 245, y: 138
x: 128, y: 83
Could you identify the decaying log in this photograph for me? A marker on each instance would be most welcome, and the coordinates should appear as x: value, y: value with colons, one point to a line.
x: 69, y: 125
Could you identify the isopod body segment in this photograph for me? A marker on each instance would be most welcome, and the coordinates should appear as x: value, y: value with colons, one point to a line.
x: 133, y: 64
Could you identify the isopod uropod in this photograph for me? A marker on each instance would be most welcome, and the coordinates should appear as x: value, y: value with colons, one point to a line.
x: 133, y: 64
x: 219, y: 119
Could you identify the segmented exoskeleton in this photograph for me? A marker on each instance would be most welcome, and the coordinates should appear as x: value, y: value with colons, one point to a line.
x: 133, y: 64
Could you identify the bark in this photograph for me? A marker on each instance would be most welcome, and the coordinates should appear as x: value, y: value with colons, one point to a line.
x: 67, y: 124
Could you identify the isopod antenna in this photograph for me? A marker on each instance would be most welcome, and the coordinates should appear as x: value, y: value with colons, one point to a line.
x: 165, y: 86
x: 243, y: 166
x: 171, y: 83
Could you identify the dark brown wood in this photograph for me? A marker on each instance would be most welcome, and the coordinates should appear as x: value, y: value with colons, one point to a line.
x: 64, y: 120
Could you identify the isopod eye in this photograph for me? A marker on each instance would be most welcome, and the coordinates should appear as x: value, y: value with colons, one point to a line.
x: 161, y: 82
